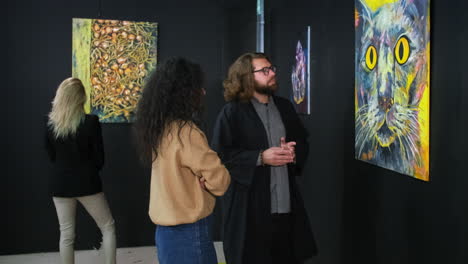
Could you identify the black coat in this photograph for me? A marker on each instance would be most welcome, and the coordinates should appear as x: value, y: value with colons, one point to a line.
x: 238, y: 137
x: 76, y: 160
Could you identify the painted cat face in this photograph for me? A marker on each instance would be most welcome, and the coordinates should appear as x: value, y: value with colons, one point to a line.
x: 391, y: 80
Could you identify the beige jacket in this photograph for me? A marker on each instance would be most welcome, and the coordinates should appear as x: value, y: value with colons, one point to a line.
x: 176, y: 196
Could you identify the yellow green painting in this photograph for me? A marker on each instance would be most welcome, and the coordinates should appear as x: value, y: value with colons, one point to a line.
x: 392, y: 65
x: 112, y: 58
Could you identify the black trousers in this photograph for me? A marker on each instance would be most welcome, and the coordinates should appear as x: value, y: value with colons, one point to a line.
x: 280, y: 249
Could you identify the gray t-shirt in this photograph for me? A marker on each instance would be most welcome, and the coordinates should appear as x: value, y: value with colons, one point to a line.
x: 279, y: 183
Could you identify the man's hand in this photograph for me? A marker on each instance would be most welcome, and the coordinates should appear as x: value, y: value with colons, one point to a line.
x: 277, y: 156
x: 289, y: 146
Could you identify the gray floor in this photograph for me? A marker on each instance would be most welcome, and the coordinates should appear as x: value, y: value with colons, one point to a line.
x: 136, y: 255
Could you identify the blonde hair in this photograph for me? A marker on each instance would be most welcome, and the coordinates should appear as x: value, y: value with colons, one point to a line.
x: 240, y: 83
x: 67, y: 108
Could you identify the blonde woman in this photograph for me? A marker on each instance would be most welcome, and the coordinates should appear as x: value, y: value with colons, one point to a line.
x: 74, y: 145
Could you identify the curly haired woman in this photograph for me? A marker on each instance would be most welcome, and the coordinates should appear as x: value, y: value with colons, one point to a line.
x: 186, y: 174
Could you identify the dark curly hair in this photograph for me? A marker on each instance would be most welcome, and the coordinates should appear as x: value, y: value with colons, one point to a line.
x: 172, y: 93
x: 240, y: 84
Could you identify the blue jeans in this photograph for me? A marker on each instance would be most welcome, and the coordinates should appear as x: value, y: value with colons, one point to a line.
x: 186, y: 243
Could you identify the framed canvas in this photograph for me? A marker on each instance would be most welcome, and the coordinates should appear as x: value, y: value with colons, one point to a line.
x: 112, y: 58
x: 300, y: 73
x: 392, y: 61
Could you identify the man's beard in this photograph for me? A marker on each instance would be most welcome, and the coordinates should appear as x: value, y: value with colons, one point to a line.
x: 266, y: 89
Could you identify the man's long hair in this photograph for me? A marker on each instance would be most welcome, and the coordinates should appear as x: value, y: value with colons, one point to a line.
x: 67, y: 108
x: 240, y: 83
x: 172, y: 94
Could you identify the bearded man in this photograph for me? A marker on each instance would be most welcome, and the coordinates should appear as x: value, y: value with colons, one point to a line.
x: 263, y: 144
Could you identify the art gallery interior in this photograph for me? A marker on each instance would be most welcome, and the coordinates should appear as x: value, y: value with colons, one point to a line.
x: 359, y: 212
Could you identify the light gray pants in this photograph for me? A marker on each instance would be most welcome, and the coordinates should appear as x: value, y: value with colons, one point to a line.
x: 97, y: 207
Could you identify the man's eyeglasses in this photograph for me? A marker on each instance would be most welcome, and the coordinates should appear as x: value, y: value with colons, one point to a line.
x: 266, y: 70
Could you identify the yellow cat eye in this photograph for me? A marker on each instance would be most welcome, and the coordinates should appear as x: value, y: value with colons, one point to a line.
x: 402, y: 50
x: 371, y: 57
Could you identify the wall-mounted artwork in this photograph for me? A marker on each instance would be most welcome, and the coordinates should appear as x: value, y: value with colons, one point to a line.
x: 392, y: 85
x: 113, y: 58
x: 300, y: 74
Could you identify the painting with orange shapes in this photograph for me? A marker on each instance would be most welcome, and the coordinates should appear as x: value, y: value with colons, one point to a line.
x: 113, y: 58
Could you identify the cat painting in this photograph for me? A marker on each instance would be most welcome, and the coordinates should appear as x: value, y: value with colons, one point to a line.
x: 392, y: 85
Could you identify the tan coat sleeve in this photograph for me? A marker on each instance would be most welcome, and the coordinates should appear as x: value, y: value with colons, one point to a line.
x: 197, y: 155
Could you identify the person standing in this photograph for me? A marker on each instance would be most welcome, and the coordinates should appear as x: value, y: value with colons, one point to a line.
x: 263, y: 143
x: 186, y: 174
x: 74, y: 145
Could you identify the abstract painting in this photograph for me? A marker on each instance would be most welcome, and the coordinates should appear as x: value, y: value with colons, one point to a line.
x: 392, y: 85
x: 300, y: 74
x: 112, y: 58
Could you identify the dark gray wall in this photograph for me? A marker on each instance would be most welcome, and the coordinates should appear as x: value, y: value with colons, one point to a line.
x: 39, y: 47
x: 362, y: 213
x: 330, y: 124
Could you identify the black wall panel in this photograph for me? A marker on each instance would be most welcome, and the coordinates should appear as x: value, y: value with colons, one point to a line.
x: 360, y: 213
x: 40, y: 46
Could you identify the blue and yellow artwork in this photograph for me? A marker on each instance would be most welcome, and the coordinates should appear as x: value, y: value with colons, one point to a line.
x: 112, y: 58
x: 392, y: 85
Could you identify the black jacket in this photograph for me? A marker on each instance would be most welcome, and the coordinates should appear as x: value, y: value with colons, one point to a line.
x: 76, y: 160
x: 238, y: 137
